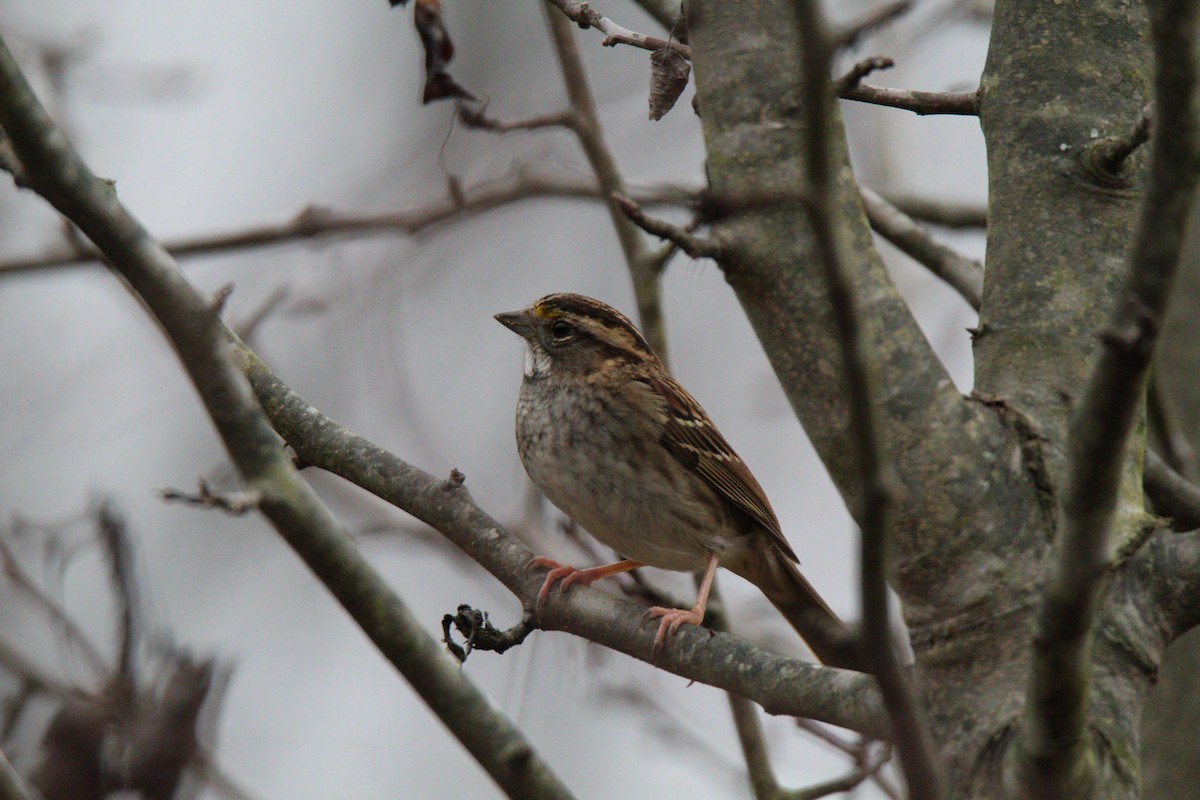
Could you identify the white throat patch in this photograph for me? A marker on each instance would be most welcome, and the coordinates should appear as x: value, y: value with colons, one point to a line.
x: 537, y: 361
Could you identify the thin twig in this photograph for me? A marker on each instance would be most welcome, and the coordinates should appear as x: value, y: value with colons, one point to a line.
x: 235, y: 503
x: 590, y: 132
x: 875, y: 17
x: 584, y: 16
x: 73, y: 634
x: 962, y: 273
x: 1054, y: 754
x: 912, y: 738
x: 861, y: 69
x: 315, y: 224
x: 695, y: 246
x: 473, y: 117
x: 115, y: 538
x: 863, y: 772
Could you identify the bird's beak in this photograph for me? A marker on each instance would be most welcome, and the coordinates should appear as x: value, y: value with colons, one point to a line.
x: 519, y: 322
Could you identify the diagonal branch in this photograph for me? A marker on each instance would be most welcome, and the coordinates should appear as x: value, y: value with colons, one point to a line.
x: 878, y: 483
x: 1054, y: 757
x: 962, y: 273
x: 644, y: 270
x: 12, y: 786
x: 781, y: 685
x: 55, y: 171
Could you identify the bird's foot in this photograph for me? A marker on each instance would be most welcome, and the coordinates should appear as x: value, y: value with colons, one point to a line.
x: 672, y: 618
x: 565, y: 575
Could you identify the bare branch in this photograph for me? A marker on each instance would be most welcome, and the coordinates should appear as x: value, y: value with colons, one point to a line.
x: 1053, y: 748
x: 860, y: 70
x: 73, y: 634
x: 1172, y: 494
x: 12, y: 786
x: 962, y: 273
x: 916, y: 101
x: 641, y: 263
x: 754, y: 748
x: 695, y: 246
x: 235, y: 503
x: 114, y: 537
x: 936, y: 212
x: 473, y: 117
x: 869, y: 768
x: 1163, y: 423
x: 314, y: 223
x: 583, y: 15
x: 875, y: 17
x: 912, y: 738
x: 781, y: 685
x: 56, y: 171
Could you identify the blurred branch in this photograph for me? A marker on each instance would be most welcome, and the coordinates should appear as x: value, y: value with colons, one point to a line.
x: 1173, y: 495
x: 114, y: 538
x: 73, y: 634
x: 641, y: 263
x: 314, y: 224
x: 867, y: 768
x: 55, y: 171
x: 1054, y: 755
x: 873, y: 18
x: 666, y: 13
x: 474, y: 117
x: 877, y: 484
x: 583, y: 15
x: 12, y: 786
x: 781, y: 685
x: 962, y: 273
x: 945, y: 214
x: 1163, y: 422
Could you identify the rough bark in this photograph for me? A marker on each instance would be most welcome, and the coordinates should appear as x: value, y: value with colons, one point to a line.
x: 981, y: 476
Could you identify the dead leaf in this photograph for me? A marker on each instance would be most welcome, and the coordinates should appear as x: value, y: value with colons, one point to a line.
x: 439, y: 50
x: 669, y: 73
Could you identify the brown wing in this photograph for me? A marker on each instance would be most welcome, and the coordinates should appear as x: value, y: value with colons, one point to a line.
x: 692, y: 437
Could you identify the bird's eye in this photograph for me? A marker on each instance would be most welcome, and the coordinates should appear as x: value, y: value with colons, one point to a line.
x: 560, y: 329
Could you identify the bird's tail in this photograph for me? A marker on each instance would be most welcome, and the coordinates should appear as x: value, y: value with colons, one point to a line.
x: 821, y: 629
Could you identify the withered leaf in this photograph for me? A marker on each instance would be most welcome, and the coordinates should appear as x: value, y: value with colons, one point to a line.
x: 668, y: 76
x: 439, y: 50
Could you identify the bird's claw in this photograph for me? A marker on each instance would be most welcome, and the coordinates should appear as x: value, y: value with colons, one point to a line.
x: 672, y: 618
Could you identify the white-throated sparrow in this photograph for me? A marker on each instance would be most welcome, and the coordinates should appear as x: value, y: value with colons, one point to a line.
x: 612, y: 440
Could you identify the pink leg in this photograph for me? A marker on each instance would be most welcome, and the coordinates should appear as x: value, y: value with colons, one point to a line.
x: 672, y: 618
x: 569, y: 575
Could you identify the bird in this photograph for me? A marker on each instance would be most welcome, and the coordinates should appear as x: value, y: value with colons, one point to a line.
x: 620, y: 447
